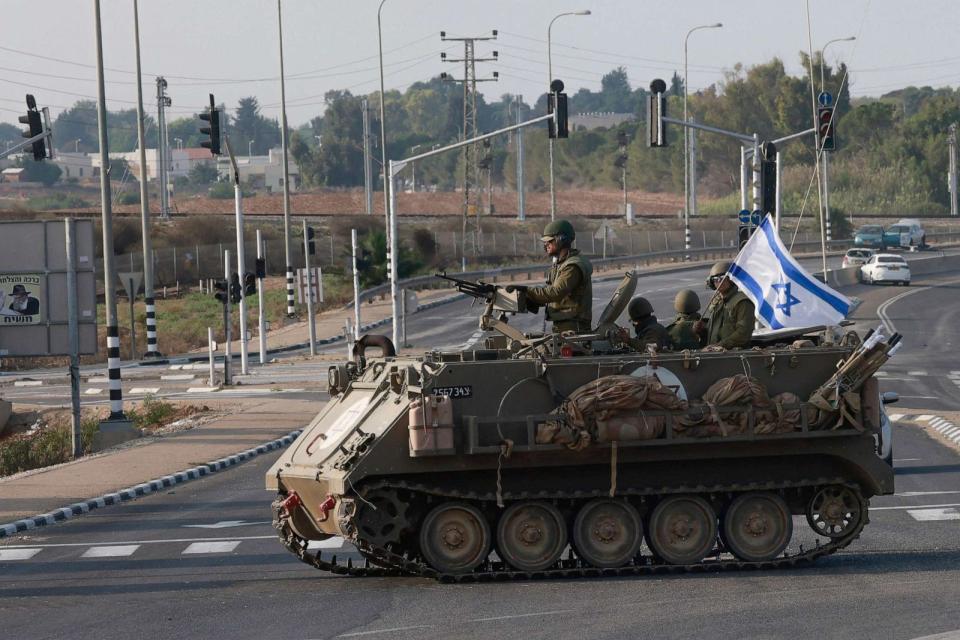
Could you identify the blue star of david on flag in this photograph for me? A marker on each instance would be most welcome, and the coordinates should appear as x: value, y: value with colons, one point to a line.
x: 784, y: 293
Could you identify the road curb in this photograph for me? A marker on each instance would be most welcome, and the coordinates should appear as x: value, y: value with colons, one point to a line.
x: 143, y: 489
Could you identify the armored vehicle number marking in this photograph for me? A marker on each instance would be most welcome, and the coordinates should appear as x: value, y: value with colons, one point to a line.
x: 459, y: 391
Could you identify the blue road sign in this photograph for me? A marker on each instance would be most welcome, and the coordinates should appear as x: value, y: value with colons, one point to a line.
x: 744, y: 216
x: 825, y: 99
x: 756, y: 218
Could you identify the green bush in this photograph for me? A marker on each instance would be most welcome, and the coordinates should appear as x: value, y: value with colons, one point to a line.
x: 221, y: 191
x: 129, y: 197
x: 56, y: 201
x: 151, y: 412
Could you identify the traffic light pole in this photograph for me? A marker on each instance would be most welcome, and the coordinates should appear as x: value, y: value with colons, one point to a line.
x: 241, y: 267
x: 396, y: 166
x: 227, y: 327
x: 311, y: 320
x: 261, y: 315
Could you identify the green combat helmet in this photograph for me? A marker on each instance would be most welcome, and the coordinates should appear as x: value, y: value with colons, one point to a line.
x: 559, y: 228
x: 718, y: 270
x: 687, y: 301
x: 639, y: 308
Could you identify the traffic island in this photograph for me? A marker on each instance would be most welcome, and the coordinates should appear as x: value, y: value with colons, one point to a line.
x: 113, y: 432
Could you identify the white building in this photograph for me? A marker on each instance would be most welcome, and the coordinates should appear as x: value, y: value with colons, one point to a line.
x: 75, y: 165
x: 597, y: 119
x: 181, y: 161
x: 262, y: 171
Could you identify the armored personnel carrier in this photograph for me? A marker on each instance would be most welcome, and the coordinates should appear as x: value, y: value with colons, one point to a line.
x: 569, y: 455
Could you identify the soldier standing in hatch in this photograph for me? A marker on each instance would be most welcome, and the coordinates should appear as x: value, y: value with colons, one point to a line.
x: 568, y: 294
x: 648, y: 330
x: 730, y: 316
x: 681, y: 333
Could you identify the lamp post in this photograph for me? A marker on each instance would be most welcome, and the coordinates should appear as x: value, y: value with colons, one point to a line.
x: 582, y: 12
x: 250, y: 147
x: 826, y: 192
x: 383, y: 134
x: 319, y: 141
x: 76, y: 145
x: 686, y: 137
x: 179, y: 142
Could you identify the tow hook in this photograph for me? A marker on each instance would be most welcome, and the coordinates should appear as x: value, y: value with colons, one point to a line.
x: 325, y: 507
x: 291, y: 502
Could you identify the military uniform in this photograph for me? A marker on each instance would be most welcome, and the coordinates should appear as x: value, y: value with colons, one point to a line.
x: 730, y: 321
x: 681, y: 333
x: 649, y: 331
x: 568, y: 294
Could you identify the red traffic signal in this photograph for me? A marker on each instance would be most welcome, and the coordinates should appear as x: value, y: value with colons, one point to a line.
x: 826, y: 129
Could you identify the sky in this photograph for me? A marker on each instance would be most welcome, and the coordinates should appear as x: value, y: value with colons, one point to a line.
x: 230, y: 47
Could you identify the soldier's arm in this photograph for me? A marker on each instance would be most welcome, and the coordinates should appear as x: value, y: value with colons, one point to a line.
x: 744, y: 323
x: 567, y: 280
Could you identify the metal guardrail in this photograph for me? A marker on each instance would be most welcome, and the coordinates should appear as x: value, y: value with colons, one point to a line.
x: 492, y: 275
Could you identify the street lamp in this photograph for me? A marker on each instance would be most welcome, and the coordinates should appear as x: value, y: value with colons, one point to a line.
x: 250, y: 148
x: 76, y: 145
x: 319, y: 141
x: 686, y: 137
x: 383, y: 134
x: 826, y: 192
x: 179, y: 142
x: 582, y: 12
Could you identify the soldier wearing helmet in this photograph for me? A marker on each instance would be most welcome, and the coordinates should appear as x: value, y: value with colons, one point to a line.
x: 568, y: 293
x: 648, y: 330
x: 730, y: 316
x: 681, y: 333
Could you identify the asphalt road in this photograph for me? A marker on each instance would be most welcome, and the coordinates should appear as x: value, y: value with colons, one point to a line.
x: 201, y: 559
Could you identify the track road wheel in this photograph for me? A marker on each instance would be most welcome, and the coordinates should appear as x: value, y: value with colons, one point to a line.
x: 834, y: 511
x: 607, y: 533
x: 757, y: 526
x: 531, y: 536
x: 682, y: 529
x: 455, y: 538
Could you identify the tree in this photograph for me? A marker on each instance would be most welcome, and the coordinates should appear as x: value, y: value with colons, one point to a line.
x: 616, y: 91
x: 40, y: 171
x: 248, y: 125
x: 203, y: 173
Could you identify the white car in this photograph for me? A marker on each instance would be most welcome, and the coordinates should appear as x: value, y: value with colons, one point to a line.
x: 885, y: 437
x: 856, y: 257
x: 885, y: 267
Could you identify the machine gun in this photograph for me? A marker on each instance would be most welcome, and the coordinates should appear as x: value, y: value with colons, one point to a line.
x: 480, y: 290
x: 497, y: 299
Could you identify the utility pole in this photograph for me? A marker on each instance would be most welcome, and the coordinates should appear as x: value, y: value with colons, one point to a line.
x: 291, y: 310
x: 145, y: 206
x: 952, y: 139
x: 521, y: 205
x: 109, y: 272
x: 163, y: 101
x: 471, y: 168
x: 367, y: 158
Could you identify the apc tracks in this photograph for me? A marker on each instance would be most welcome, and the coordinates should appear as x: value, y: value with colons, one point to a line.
x: 448, y: 536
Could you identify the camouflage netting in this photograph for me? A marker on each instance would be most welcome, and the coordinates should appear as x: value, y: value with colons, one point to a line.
x: 609, y: 409
x: 616, y: 408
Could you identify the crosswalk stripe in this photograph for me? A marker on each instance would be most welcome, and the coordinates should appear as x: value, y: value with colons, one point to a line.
x: 925, y: 418
x: 111, y: 551
x: 93, y: 392
x: 100, y: 380
x: 17, y: 554
x: 895, y: 416
x: 201, y: 389
x: 225, y: 546
x: 27, y: 383
x: 179, y: 376
x: 144, y: 390
x: 932, y: 515
x: 335, y: 542
x: 916, y: 373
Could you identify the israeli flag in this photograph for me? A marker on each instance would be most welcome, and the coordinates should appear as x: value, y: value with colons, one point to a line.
x: 785, y: 295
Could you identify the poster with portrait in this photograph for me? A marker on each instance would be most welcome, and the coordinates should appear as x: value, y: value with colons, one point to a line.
x: 20, y: 298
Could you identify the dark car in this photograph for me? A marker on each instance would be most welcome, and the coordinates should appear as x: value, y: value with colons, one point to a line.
x: 870, y: 235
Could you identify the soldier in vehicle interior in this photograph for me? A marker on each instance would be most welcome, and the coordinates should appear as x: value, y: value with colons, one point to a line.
x: 648, y: 330
x: 730, y: 317
x: 568, y: 293
x: 680, y: 331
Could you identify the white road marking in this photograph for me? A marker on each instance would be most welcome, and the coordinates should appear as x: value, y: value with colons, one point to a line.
x: 93, y: 392
x: 929, y: 506
x: 201, y: 389
x: 925, y: 418
x: 335, y: 542
x: 111, y: 551
x: 179, y: 376
x: 225, y: 546
x: 144, y: 390
x: 916, y: 373
x: 89, y: 544
x: 27, y: 383
x: 910, y: 494
x: 98, y: 380
x: 882, y: 309
x: 368, y: 633
x: 906, y: 459
x: 919, y: 398
x: 18, y: 554
x: 895, y: 416
x: 226, y: 524
x: 901, y: 379
x: 245, y: 390
x: 522, y: 615
x: 176, y: 367
x: 932, y: 515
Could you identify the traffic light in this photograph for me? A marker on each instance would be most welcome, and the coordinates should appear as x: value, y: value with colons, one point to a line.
x: 213, y: 131
x: 826, y: 129
x: 743, y: 234
x: 311, y: 245
x: 656, y: 112
x: 558, y: 127
x: 621, y: 161
x: 768, y: 177
x: 32, y: 120
x: 249, y: 284
x: 236, y: 291
x: 261, y: 267
x: 220, y: 289
x: 623, y: 138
